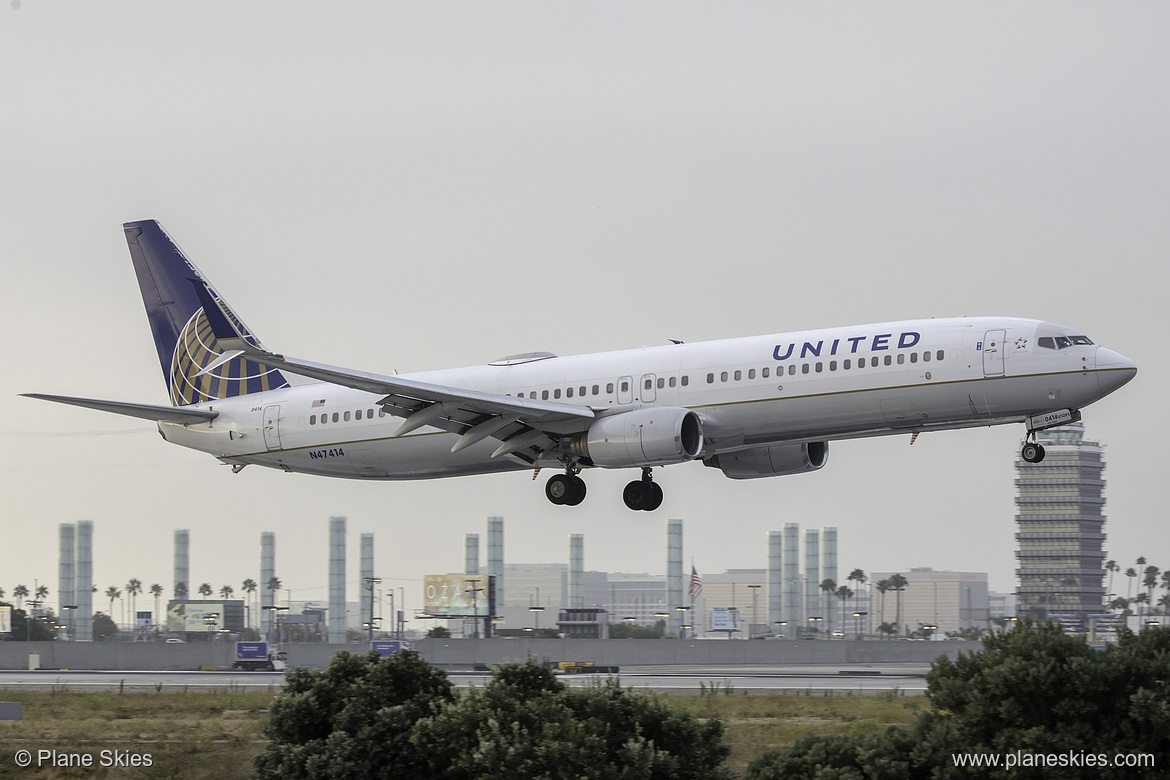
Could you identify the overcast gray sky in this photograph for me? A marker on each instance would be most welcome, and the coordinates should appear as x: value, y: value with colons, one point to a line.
x: 415, y: 186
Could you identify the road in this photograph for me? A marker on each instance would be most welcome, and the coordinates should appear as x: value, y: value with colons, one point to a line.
x: 755, y: 680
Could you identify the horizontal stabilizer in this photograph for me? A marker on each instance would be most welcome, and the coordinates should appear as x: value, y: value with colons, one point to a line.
x: 168, y: 414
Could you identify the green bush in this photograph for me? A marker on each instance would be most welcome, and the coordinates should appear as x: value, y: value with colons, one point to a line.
x: 400, y: 718
x: 1030, y: 691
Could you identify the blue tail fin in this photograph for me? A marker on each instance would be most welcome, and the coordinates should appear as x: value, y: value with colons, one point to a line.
x: 170, y: 285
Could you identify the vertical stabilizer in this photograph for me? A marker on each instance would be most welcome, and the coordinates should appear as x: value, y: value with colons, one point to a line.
x: 173, y: 290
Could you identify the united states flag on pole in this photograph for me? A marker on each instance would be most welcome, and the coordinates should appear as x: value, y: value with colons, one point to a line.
x: 696, y: 583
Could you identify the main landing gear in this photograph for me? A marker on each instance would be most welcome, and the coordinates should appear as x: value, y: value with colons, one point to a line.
x: 567, y: 488
x: 643, y: 494
x: 1032, y: 452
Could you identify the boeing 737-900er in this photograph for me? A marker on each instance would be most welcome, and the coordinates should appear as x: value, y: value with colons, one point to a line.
x: 751, y: 407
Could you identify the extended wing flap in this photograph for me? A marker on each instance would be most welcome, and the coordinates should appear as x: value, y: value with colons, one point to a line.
x: 169, y: 414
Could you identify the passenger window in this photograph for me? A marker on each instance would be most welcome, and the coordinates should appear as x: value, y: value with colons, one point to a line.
x: 381, y: 411
x: 519, y: 395
x: 913, y: 357
x: 820, y: 367
x: 939, y: 355
x: 792, y: 370
x: 608, y: 387
x: 358, y: 414
x: 832, y: 365
x: 804, y: 368
x: 901, y: 359
x: 723, y: 377
x: 738, y: 375
x: 846, y: 364
x: 557, y: 393
x: 672, y: 381
x: 889, y: 360
x: 662, y: 382
x: 751, y: 373
x: 335, y: 417
x: 625, y: 387
x: 873, y: 361
x: 544, y: 395
x: 686, y: 380
x: 347, y: 417
x: 369, y: 414
x: 648, y: 384
x: 569, y: 393
x: 582, y: 391
x: 764, y: 373
x: 312, y: 419
x: 925, y: 357
x: 596, y: 389
x: 710, y: 379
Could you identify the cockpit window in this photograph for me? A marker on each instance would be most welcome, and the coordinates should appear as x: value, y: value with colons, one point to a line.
x: 1062, y: 342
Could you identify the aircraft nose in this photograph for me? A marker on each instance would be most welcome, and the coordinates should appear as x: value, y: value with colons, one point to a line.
x: 1113, y: 370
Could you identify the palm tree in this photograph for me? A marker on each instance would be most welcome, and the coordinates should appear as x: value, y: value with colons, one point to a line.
x: 1, y: 593
x: 1131, y: 572
x: 249, y: 586
x: 205, y: 590
x: 180, y: 590
x: 858, y: 576
x: 883, y: 586
x: 1150, y: 580
x: 112, y: 593
x: 156, y: 591
x: 273, y: 585
x: 1165, y: 585
x: 42, y: 592
x: 1112, y: 568
x: 19, y: 593
x: 844, y: 593
x: 133, y: 588
x: 829, y: 588
x: 898, y: 583
x: 226, y: 592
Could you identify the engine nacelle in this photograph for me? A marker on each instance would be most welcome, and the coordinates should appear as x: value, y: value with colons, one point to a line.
x: 654, y: 436
x: 774, y: 461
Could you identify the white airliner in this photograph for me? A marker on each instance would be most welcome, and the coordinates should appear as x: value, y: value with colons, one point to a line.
x: 752, y: 407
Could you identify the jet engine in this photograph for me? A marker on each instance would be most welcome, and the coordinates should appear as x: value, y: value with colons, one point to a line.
x: 654, y: 436
x: 773, y: 461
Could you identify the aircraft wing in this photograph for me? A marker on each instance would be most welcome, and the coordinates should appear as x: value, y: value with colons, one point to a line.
x: 525, y: 426
x: 171, y: 414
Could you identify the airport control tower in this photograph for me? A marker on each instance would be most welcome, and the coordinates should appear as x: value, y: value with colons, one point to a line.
x: 1061, y: 527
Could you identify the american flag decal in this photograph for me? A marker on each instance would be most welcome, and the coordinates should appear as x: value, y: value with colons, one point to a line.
x: 318, y: 403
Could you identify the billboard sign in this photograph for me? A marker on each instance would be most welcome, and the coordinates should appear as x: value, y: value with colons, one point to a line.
x: 386, y: 647
x: 724, y: 619
x: 456, y: 595
x: 185, y: 616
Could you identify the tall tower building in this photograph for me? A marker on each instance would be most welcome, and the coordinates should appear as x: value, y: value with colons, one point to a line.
x: 1062, y: 527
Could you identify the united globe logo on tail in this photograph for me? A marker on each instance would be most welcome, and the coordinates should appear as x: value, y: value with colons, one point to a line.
x: 196, y: 348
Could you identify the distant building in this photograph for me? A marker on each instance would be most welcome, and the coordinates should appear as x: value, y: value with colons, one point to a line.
x: 1061, y: 527
x: 950, y: 600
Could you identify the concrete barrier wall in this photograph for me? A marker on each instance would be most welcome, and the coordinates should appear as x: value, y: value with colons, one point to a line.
x: 464, y: 653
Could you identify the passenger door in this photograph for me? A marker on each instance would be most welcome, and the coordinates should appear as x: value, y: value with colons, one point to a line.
x: 993, y: 352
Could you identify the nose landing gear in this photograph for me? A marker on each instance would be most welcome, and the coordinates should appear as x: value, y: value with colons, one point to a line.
x: 643, y: 494
x: 1032, y: 452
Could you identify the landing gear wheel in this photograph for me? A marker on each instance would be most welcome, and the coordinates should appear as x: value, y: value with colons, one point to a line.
x: 565, y: 489
x: 653, y: 498
x: 634, y: 494
x: 1032, y: 452
x: 559, y: 488
x: 578, y: 493
x: 643, y: 494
